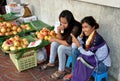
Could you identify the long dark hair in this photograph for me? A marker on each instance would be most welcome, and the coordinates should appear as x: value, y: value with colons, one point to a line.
x: 69, y: 17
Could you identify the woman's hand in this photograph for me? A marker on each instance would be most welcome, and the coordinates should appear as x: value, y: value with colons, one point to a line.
x: 74, y: 39
x: 60, y: 29
x: 81, y: 35
x: 52, y: 39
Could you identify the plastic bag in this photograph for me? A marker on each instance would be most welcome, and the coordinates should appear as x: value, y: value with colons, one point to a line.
x: 41, y: 55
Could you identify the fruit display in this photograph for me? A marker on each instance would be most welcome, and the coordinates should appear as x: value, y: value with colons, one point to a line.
x: 15, y: 43
x: 45, y: 34
x: 8, y: 29
x: 25, y: 26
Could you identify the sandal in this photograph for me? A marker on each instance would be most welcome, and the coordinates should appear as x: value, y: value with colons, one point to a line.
x: 58, y: 75
x: 47, y: 66
x: 41, y: 62
x: 67, y: 77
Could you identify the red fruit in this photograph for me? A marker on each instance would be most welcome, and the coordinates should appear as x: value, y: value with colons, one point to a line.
x: 44, y: 33
x: 9, y: 42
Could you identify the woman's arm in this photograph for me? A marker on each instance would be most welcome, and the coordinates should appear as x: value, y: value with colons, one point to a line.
x: 63, y: 42
x: 83, y: 51
x: 79, y: 45
x: 59, y: 29
x: 102, y: 52
x: 59, y: 36
x: 75, y: 40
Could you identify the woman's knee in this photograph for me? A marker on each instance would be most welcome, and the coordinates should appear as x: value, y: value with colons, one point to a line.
x: 54, y: 44
x: 101, y: 68
x: 61, y: 48
x: 75, y: 53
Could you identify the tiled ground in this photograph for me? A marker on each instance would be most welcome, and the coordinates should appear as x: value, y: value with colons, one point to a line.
x: 8, y: 72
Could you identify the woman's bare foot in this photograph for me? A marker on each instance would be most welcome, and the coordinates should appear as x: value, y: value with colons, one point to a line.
x: 67, y: 77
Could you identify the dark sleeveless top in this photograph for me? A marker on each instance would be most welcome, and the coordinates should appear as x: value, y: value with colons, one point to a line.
x: 75, y: 30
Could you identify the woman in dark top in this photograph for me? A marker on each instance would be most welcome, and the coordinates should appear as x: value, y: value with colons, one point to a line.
x: 61, y: 45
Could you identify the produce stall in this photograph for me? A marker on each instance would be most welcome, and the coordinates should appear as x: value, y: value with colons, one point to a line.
x: 15, y: 39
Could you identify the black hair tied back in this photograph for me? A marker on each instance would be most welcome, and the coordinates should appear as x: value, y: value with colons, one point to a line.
x: 91, y: 21
x: 96, y: 25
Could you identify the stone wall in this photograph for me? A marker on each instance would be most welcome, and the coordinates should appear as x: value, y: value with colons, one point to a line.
x: 107, y: 17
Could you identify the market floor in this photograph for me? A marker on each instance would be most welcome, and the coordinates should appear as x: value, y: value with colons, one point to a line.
x: 8, y: 72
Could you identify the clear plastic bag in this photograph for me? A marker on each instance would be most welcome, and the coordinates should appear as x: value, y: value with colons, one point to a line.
x: 41, y: 55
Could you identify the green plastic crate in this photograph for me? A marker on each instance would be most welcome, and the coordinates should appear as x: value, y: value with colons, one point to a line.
x: 38, y: 24
x: 28, y: 60
x: 9, y: 16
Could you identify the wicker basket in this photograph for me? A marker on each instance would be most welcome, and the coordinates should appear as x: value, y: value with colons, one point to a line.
x: 28, y: 60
